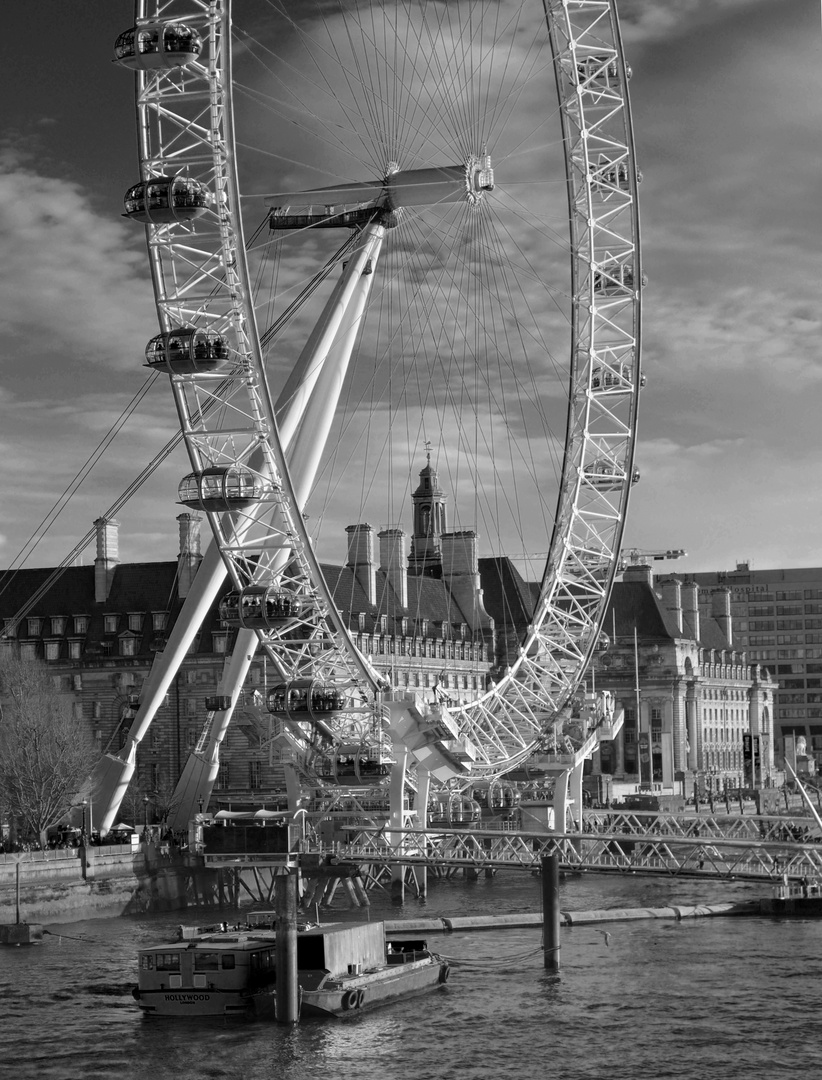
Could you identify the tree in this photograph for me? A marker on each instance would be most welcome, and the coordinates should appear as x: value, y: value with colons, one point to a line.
x: 46, y: 751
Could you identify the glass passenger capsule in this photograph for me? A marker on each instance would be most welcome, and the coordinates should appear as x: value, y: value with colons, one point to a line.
x: 187, y: 351
x: 305, y: 698
x: 261, y: 607
x: 165, y: 200
x: 157, y: 46
x: 221, y: 488
x: 600, y: 71
x: 607, y: 475
x: 615, y: 278
x: 616, y: 379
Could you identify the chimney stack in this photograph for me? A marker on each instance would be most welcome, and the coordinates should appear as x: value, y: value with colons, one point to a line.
x: 108, y: 557
x: 460, y: 572
x: 639, y: 572
x: 394, y: 562
x: 361, y: 559
x: 689, y: 592
x: 672, y: 599
x: 721, y: 611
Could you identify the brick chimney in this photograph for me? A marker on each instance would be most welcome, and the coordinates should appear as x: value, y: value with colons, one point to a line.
x: 721, y: 611
x: 361, y: 559
x: 108, y: 557
x: 394, y: 562
x: 672, y: 599
x: 689, y: 592
x: 460, y: 572
x: 190, y: 555
x: 639, y: 572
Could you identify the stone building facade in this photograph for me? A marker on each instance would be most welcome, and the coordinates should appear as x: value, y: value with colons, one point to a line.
x: 697, y: 712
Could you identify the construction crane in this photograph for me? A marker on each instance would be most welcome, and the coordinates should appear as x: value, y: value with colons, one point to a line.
x: 637, y: 556
x: 627, y: 557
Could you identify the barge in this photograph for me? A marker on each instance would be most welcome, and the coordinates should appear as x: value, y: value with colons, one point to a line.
x: 343, y: 969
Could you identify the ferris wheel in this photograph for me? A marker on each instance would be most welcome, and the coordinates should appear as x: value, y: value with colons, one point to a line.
x: 380, y: 231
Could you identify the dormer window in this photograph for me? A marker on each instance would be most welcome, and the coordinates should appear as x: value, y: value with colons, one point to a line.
x: 404, y: 625
x: 110, y: 623
x: 128, y: 645
x: 52, y: 650
x: 361, y: 621
x: 159, y: 619
x: 135, y: 621
x: 35, y: 627
x: 81, y: 624
x: 383, y: 623
x: 58, y: 625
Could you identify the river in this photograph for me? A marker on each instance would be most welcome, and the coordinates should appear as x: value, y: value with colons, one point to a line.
x: 730, y: 998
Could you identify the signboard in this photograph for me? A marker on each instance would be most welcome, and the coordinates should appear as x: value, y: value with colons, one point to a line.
x: 644, y: 748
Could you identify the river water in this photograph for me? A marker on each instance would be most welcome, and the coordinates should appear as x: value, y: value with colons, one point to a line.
x: 730, y: 998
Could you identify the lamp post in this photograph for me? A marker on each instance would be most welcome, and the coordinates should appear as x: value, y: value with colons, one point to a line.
x: 145, y: 806
x: 200, y: 800
x: 83, y: 830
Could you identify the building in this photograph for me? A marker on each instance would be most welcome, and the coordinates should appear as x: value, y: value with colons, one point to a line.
x: 420, y: 620
x: 695, y: 708
x: 778, y: 623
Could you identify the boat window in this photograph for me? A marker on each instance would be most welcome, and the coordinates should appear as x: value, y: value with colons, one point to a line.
x: 168, y: 961
x: 147, y: 963
x: 228, y: 961
x: 206, y: 961
x: 262, y: 961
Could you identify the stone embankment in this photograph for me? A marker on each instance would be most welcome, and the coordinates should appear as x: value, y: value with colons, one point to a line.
x: 68, y: 884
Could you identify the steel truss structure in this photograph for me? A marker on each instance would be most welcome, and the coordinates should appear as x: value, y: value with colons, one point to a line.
x: 237, y: 424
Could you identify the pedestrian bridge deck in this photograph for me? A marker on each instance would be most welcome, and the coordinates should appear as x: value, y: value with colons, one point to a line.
x: 717, y: 846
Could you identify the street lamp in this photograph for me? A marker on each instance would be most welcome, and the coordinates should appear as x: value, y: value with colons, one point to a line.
x: 83, y: 830
x: 200, y: 800
x: 145, y: 806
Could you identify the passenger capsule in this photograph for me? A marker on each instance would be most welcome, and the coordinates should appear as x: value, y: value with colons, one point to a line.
x: 612, y: 380
x: 605, y: 474
x: 165, y: 200
x: 157, y: 46
x: 261, y: 607
x: 600, y: 71
x: 217, y: 703
x: 221, y: 488
x: 614, y: 278
x: 187, y: 351
x: 305, y: 698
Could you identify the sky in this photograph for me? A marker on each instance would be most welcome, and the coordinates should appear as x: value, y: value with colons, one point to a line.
x: 727, y: 102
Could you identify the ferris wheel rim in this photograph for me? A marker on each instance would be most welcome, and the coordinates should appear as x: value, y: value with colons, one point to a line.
x: 569, y: 646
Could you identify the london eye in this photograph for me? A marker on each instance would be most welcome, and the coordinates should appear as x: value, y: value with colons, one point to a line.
x: 385, y: 236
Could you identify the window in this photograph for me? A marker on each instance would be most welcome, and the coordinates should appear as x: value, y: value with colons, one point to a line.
x: 165, y: 961
x: 28, y: 650
x: 219, y: 641
x: 191, y: 706
x: 52, y: 650
x: 222, y: 777
x: 110, y: 623
x: 34, y: 627
x: 81, y: 624
x: 58, y: 624
x: 254, y: 774
x: 361, y: 620
x: 135, y: 621
x: 128, y: 646
x: 789, y: 596
x: 77, y: 682
x: 75, y: 650
x: 158, y: 620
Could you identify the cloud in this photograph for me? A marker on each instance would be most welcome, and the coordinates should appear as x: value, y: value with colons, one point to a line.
x: 73, y: 284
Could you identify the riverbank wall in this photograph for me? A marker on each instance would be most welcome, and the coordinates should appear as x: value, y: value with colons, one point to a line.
x: 77, y: 883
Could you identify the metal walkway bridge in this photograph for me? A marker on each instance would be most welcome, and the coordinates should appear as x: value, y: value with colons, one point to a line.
x: 735, y: 848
